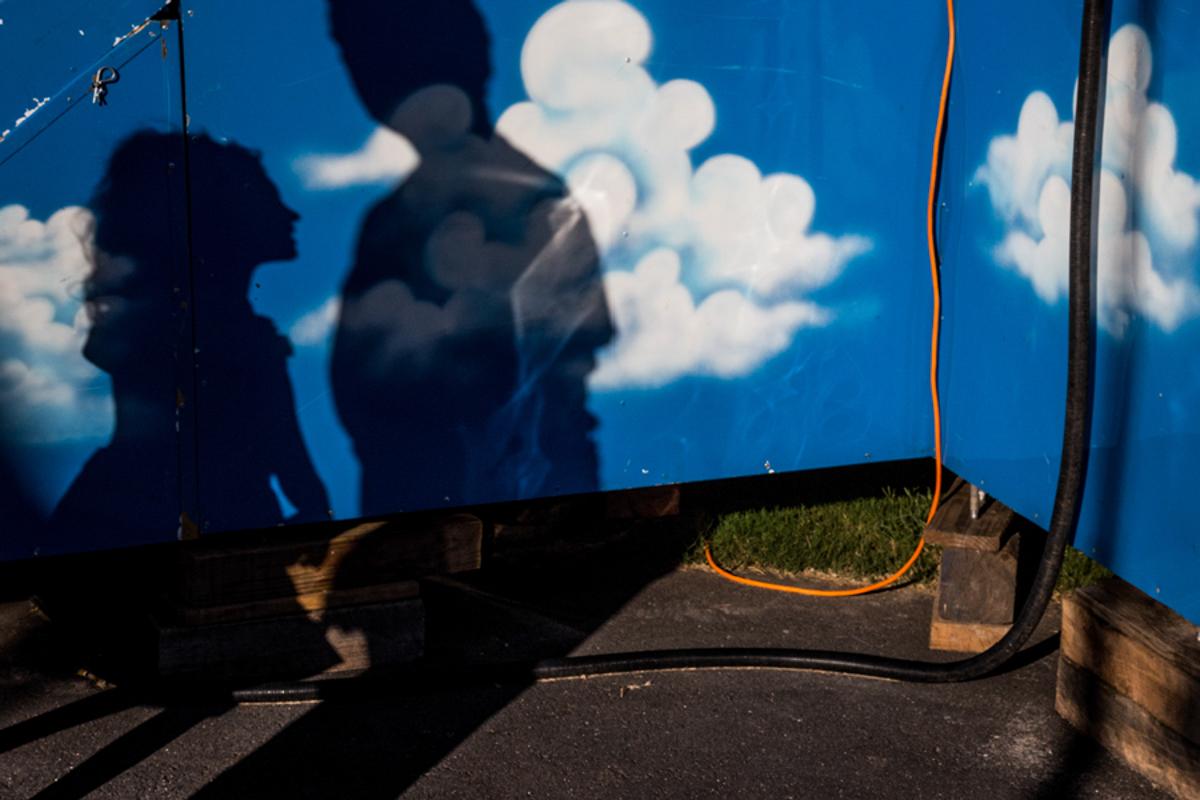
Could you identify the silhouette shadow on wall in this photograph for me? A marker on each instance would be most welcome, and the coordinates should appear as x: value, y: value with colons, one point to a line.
x: 469, y: 323
x: 472, y: 314
x: 141, y: 335
x: 20, y: 519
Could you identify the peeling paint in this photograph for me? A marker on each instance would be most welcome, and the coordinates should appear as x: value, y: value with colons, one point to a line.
x: 134, y: 30
x: 29, y: 112
x: 21, y: 120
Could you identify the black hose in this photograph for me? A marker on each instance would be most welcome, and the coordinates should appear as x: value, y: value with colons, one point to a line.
x: 1065, y: 516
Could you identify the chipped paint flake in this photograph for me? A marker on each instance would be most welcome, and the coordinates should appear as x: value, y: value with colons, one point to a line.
x: 134, y: 30
x: 29, y: 112
x: 21, y: 120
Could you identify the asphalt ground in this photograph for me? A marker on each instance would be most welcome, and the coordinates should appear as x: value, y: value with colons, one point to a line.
x: 744, y: 733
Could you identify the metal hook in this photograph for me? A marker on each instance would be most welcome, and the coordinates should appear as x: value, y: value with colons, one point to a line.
x: 105, y: 76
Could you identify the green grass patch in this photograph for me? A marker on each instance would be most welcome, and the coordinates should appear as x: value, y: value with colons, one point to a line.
x: 862, y: 539
x: 865, y: 538
x: 1078, y: 571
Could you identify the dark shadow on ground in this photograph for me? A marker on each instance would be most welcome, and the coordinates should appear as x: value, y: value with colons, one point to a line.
x: 377, y: 743
x: 129, y: 749
x: 1082, y: 753
x: 539, y: 598
x: 1081, y: 757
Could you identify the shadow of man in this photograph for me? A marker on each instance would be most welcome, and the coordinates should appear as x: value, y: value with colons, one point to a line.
x: 469, y: 323
x: 472, y: 314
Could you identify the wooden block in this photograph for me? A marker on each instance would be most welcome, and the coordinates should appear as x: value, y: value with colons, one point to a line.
x: 976, y: 597
x: 963, y: 637
x: 237, y: 571
x: 1154, y: 749
x: 318, y: 643
x: 1139, y: 647
x: 650, y: 503
x: 952, y: 526
x: 978, y: 586
x: 283, y: 606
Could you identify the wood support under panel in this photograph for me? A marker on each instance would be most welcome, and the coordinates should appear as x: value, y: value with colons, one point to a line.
x: 979, y: 578
x: 1129, y: 677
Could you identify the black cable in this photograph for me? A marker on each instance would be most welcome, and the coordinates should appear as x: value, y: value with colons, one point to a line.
x: 1063, y: 521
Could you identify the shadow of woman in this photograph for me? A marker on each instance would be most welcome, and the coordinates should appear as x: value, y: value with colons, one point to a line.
x: 247, y: 429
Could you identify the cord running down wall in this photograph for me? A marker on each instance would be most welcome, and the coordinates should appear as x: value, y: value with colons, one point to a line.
x: 935, y: 277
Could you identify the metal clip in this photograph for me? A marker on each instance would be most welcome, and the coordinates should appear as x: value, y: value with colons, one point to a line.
x: 105, y: 77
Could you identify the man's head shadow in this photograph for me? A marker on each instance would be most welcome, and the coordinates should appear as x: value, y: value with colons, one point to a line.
x: 397, y: 51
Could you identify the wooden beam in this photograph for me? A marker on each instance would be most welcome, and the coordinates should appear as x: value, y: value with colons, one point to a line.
x: 964, y: 637
x: 1157, y: 751
x: 1138, y: 646
x: 1129, y: 676
x: 952, y: 526
x: 310, y: 602
x: 650, y: 503
x: 978, y: 576
x: 308, y: 644
x: 978, y: 586
x: 234, y: 572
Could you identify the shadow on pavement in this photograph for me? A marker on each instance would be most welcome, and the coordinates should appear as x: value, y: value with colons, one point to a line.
x: 384, y: 732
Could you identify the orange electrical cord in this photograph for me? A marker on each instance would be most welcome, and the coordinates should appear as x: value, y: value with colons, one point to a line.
x: 931, y: 215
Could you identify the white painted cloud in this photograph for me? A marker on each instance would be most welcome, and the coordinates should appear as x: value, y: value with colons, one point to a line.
x: 706, y: 268
x: 743, y: 242
x: 48, y: 391
x: 596, y: 115
x: 666, y: 335
x: 385, y: 158
x: 733, y: 250
x: 1149, y: 211
x: 314, y: 327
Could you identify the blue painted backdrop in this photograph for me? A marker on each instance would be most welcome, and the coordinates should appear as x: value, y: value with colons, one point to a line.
x: 752, y: 178
x: 1003, y: 238
x: 844, y: 119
